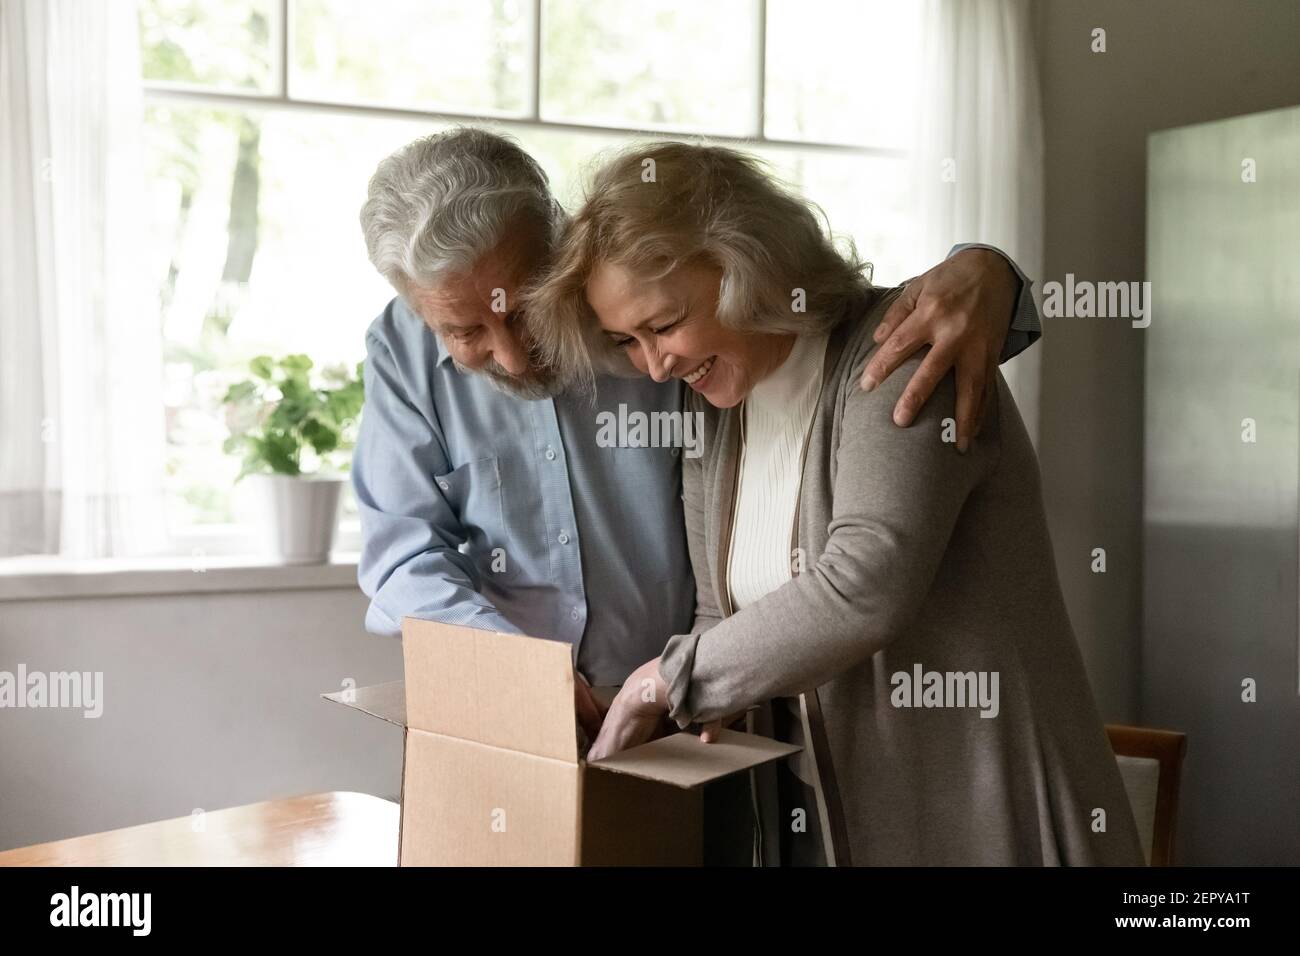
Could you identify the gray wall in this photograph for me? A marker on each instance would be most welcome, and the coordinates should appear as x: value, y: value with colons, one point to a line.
x: 1168, y: 63
x: 210, y: 701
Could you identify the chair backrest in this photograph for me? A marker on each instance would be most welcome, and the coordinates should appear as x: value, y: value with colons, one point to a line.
x: 1151, y: 763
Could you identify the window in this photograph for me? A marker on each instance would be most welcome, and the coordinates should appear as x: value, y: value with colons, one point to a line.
x: 265, y: 119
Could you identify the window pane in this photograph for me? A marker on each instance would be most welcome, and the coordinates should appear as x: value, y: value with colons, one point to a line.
x: 651, y: 64
x: 220, y: 43
x: 840, y: 72
x: 569, y: 157
x: 420, y: 54
x: 256, y: 249
x: 865, y: 198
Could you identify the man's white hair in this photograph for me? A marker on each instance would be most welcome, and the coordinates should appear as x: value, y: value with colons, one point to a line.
x: 438, y: 204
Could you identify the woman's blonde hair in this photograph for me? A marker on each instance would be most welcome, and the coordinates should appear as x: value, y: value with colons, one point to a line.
x: 657, y: 206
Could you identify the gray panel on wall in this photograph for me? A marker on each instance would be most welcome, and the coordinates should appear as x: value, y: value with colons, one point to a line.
x: 1220, y: 571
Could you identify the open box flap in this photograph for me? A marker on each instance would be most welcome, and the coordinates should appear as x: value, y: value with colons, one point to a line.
x: 683, y: 760
x: 503, y: 690
x: 385, y: 701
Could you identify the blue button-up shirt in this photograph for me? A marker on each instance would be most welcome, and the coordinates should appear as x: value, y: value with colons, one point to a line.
x: 483, y: 509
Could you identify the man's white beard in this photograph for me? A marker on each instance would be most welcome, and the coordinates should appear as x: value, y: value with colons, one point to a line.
x: 536, y: 386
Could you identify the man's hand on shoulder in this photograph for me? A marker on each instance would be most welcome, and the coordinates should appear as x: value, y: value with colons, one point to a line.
x: 962, y: 309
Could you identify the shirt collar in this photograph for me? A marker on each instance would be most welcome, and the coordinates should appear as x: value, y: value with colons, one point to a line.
x: 440, y: 350
x: 441, y: 355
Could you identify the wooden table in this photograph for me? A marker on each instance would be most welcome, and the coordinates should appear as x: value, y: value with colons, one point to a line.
x: 321, y: 829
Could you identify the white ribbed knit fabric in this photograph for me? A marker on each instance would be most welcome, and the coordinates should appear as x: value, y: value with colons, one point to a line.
x: 777, y: 412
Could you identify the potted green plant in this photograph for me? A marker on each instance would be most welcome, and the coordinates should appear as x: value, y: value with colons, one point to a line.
x: 295, y: 430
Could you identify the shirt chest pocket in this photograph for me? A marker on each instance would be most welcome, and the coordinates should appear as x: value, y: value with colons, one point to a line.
x: 473, y: 493
x: 647, y: 505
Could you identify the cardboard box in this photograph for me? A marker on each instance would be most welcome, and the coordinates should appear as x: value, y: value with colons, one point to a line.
x: 492, y: 777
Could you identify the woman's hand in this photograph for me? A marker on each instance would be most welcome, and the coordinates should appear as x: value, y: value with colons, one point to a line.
x: 713, y: 729
x: 636, y: 715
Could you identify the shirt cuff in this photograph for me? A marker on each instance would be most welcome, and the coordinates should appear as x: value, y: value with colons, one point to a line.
x: 1026, y: 323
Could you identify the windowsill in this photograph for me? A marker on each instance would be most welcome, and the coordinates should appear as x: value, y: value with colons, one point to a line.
x: 49, y: 577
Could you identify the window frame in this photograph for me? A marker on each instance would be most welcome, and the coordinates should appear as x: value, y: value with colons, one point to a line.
x: 282, y: 97
x: 237, y: 538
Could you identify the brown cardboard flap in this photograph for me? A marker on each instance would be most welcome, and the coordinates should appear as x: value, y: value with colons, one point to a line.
x: 683, y: 760
x: 385, y: 701
x: 498, y: 689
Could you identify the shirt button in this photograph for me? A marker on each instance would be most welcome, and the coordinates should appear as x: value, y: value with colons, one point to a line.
x: 563, y: 538
x: 576, y: 614
x: 550, y: 454
x: 673, y: 452
x: 443, y: 485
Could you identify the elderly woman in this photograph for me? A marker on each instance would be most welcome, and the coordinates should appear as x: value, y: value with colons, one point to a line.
x: 865, y: 591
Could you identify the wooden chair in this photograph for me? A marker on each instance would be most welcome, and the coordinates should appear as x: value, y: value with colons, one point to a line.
x: 1151, y: 763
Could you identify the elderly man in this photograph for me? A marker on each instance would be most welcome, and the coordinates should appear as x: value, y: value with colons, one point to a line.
x: 485, y: 496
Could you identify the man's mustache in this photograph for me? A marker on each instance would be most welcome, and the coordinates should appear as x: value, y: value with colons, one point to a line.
x: 533, y: 385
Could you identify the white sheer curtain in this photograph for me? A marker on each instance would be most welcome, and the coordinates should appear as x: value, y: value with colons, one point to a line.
x: 81, y: 427
x: 980, y: 146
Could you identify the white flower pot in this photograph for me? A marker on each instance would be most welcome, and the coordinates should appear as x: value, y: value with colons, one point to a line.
x: 297, y: 515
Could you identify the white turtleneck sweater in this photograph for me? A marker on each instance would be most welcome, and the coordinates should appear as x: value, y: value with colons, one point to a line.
x: 777, y: 413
